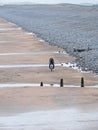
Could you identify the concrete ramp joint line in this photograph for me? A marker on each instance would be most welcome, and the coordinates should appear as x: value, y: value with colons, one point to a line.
x: 26, y: 66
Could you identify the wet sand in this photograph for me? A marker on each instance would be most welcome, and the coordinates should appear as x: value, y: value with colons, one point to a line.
x: 17, y: 47
x: 20, y: 100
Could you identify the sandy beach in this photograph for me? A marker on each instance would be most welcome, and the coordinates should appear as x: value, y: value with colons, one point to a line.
x: 24, y: 60
x: 18, y: 48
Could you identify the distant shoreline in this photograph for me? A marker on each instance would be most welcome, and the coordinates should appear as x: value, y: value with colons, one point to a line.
x: 32, y: 3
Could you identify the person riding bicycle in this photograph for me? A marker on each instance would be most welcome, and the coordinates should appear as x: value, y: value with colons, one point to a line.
x: 51, y: 63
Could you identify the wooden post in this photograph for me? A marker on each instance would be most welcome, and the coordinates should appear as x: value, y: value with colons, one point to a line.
x: 61, y: 83
x: 82, y: 82
x: 41, y: 84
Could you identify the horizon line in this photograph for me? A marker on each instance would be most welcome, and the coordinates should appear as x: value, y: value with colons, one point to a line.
x: 33, y: 3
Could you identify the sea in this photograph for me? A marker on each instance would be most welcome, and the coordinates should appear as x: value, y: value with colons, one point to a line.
x: 71, y: 27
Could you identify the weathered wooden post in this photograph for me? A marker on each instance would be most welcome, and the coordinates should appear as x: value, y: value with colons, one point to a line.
x: 82, y: 82
x: 41, y: 84
x: 61, y: 83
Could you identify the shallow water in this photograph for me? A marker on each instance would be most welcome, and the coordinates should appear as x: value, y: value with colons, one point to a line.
x: 65, y: 119
x: 67, y: 26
